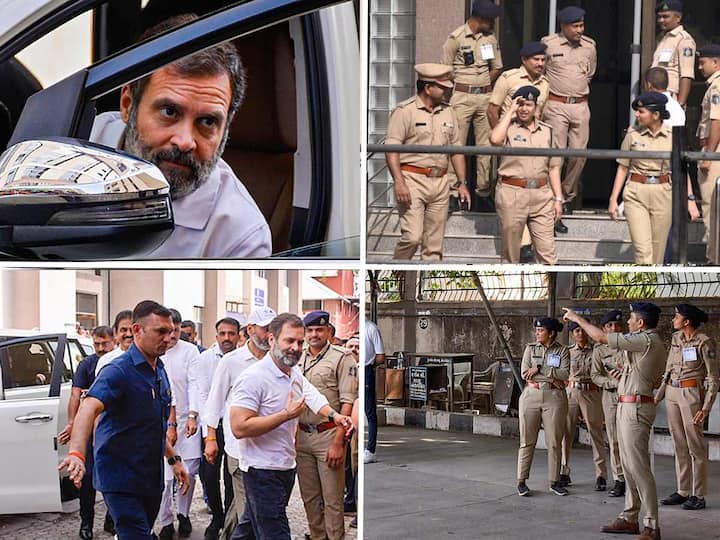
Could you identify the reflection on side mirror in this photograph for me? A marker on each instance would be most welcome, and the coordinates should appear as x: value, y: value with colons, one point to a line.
x: 73, y: 200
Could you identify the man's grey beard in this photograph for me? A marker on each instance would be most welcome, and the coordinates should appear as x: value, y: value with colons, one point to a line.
x: 287, y: 360
x: 261, y: 344
x: 181, y: 184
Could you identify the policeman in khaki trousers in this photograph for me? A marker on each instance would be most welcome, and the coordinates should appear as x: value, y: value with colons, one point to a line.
x: 691, y: 362
x: 422, y: 186
x: 648, y: 191
x: 708, y: 132
x: 528, y: 191
x: 675, y: 51
x: 320, y: 446
x: 545, y: 368
x: 641, y: 374
x: 607, y: 364
x: 473, y: 54
x: 583, y: 396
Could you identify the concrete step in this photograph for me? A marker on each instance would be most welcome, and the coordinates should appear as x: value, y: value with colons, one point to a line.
x: 471, y: 237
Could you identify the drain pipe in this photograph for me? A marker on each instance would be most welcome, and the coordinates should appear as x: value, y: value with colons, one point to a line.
x: 506, y: 348
x: 635, y: 50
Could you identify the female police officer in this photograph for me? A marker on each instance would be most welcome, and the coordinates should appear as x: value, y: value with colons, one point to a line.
x: 545, y: 367
x: 648, y: 192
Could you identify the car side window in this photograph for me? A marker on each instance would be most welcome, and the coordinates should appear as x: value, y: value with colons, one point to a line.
x: 26, y: 364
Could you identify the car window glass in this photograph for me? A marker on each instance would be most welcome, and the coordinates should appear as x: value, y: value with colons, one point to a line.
x: 73, y: 359
x: 26, y: 364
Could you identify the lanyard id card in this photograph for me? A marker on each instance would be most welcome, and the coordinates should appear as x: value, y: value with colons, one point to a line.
x: 689, y: 354
x: 553, y: 360
x: 487, y: 52
x: 665, y: 55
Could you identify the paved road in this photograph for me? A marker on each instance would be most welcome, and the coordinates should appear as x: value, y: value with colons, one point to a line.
x: 433, y: 484
x: 65, y: 526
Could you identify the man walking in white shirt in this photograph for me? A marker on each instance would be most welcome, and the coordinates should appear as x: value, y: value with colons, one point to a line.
x: 656, y: 80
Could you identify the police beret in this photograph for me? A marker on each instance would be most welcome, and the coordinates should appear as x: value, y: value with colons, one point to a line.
x: 437, y: 73
x: 485, y: 9
x: 652, y: 101
x: 571, y: 14
x: 670, y: 5
x: 549, y: 323
x: 695, y: 315
x: 317, y: 318
x: 530, y: 93
x: 611, y: 316
x: 572, y: 325
x: 711, y: 50
x: 532, y: 48
x: 645, y: 307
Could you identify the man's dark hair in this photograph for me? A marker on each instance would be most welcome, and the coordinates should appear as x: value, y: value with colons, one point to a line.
x: 420, y: 85
x: 175, y: 316
x: 103, y: 331
x: 147, y: 308
x: 279, y: 322
x: 217, y: 60
x: 657, y: 77
x: 189, y: 323
x: 651, y: 319
x: 244, y: 332
x: 228, y: 320
x: 124, y: 314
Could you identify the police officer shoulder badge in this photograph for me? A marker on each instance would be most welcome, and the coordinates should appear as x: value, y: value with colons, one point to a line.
x: 687, y: 51
x: 715, y: 99
x: 352, y: 371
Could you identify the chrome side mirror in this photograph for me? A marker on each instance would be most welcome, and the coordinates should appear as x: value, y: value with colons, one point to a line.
x: 66, y: 199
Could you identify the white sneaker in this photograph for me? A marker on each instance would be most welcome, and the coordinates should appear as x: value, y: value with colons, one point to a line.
x: 369, y: 457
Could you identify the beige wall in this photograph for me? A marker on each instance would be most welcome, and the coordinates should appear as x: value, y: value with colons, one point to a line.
x: 21, y: 298
x: 433, y: 25
x: 128, y: 287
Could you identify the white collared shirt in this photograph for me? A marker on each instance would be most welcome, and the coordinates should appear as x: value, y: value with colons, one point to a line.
x: 219, y: 219
x: 373, y: 343
x: 209, y: 360
x: 677, y: 114
x: 106, y: 358
x: 264, y: 388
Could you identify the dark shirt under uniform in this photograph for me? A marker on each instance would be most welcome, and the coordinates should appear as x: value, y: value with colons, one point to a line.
x: 85, y: 372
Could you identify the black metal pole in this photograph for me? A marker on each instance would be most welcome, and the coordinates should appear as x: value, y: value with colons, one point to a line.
x: 506, y: 348
x: 373, y: 277
x: 679, y: 170
x: 552, y: 293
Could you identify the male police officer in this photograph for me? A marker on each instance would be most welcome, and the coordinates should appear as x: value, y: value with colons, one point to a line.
x: 473, y: 53
x: 676, y: 50
x: 570, y: 66
x: 422, y: 187
x: 607, y: 364
x: 692, y: 361
x: 642, y: 372
x: 321, y: 447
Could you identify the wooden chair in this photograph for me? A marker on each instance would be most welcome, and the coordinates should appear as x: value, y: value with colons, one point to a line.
x: 483, y: 385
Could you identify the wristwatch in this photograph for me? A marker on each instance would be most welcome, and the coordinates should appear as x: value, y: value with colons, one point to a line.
x: 172, y: 424
x: 331, y: 416
x: 173, y: 460
x: 692, y: 197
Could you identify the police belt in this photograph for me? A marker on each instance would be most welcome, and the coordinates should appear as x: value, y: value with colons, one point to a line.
x: 635, y: 398
x: 555, y: 385
x: 310, y: 428
x: 659, y: 179
x: 470, y: 89
x: 432, y: 172
x: 685, y: 383
x: 568, y: 100
x: 584, y: 386
x: 528, y: 183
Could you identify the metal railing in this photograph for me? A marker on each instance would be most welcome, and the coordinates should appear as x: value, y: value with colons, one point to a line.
x: 679, y: 157
x: 642, y: 285
x: 460, y: 286
x: 389, y: 286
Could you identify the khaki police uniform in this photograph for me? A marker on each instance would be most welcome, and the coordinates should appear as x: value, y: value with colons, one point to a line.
x: 690, y: 363
x: 602, y: 355
x: 642, y: 371
x: 648, y: 194
x: 523, y: 195
x: 543, y: 401
x: 513, y: 79
x: 676, y: 54
x: 569, y: 69
x: 710, y: 112
x: 423, y: 221
x: 472, y: 57
x: 583, y: 396
x: 334, y: 373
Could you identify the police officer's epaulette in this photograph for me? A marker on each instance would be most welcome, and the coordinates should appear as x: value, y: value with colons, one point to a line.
x: 598, y: 345
x: 545, y: 124
x: 509, y: 72
x: 405, y: 103
x: 588, y: 39
x: 550, y: 37
x: 458, y: 32
x: 339, y: 349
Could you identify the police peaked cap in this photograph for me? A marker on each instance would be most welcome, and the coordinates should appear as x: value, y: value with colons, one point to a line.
x: 532, y: 48
x: 485, y: 9
x: 530, y: 93
x: 652, y: 101
x: 571, y: 14
x: 317, y: 318
x: 572, y: 325
x: 611, y: 316
x: 711, y: 50
x: 670, y: 5
x: 549, y: 323
x: 645, y: 307
x: 695, y: 315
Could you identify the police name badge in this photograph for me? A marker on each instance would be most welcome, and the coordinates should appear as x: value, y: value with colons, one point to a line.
x: 665, y: 55
x: 553, y: 360
x: 689, y: 354
x: 487, y: 52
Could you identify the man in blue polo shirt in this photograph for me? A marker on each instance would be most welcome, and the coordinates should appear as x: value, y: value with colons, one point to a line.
x: 132, y: 397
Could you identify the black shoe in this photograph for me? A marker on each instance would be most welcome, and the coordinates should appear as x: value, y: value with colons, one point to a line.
x: 349, y: 508
x: 522, y: 489
x: 184, y: 526
x: 558, y: 489
x: 618, y: 489
x: 565, y: 480
x: 693, y: 503
x: 167, y: 532
x: 86, y: 531
x: 527, y: 254
x: 600, y: 484
x: 675, y: 498
x: 213, y: 530
x: 567, y: 209
x: 109, y: 525
x: 353, y: 523
x: 453, y: 205
x: 560, y: 227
